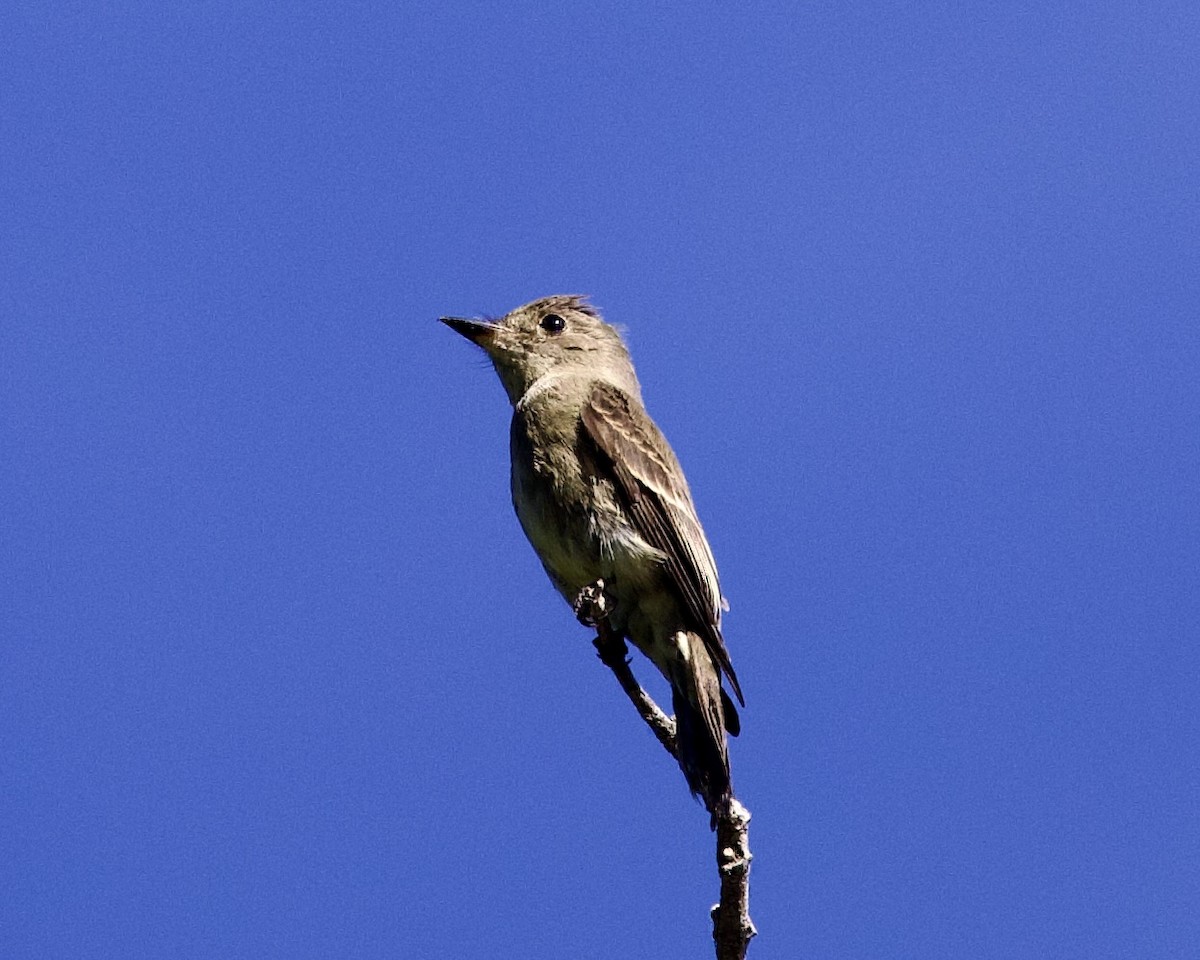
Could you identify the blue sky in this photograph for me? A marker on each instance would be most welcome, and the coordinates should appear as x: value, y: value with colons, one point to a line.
x: 913, y: 290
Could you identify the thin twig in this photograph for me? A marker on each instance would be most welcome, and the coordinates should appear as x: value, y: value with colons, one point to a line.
x: 732, y: 927
x: 615, y: 655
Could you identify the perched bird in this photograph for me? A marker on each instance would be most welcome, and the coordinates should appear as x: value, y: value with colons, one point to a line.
x: 604, y: 502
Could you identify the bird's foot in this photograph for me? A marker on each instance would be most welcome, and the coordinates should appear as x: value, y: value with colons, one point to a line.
x: 592, y: 606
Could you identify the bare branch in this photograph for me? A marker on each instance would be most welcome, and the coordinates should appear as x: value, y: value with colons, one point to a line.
x: 615, y: 655
x: 732, y: 927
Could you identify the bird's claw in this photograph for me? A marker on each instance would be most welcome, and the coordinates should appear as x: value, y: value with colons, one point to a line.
x: 592, y: 605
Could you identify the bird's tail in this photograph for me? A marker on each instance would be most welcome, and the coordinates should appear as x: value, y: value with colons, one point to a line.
x: 700, y: 722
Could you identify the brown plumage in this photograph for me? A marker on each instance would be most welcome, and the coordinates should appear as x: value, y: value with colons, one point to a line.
x: 601, y: 496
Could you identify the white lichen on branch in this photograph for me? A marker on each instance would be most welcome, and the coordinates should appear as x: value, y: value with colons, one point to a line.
x: 732, y: 927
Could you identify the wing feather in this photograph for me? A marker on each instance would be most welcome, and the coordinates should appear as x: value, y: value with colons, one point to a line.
x: 660, y: 506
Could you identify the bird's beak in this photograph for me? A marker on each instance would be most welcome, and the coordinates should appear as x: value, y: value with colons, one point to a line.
x: 473, y: 330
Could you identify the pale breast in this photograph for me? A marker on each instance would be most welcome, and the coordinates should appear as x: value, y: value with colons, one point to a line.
x: 571, y: 515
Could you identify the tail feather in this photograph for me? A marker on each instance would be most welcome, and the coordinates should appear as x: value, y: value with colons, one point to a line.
x: 700, y: 724
x: 733, y: 723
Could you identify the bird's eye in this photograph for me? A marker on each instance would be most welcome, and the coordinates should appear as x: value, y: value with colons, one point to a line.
x: 553, y: 323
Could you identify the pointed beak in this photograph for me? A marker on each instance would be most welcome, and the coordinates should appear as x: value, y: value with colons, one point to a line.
x: 473, y: 330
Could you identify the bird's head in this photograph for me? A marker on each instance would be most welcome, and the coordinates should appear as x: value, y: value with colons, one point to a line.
x: 559, y: 335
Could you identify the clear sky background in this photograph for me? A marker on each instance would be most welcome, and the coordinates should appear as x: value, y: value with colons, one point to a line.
x: 913, y: 289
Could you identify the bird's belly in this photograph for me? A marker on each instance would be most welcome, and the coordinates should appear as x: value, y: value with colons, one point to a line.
x: 561, y: 536
x: 580, y: 539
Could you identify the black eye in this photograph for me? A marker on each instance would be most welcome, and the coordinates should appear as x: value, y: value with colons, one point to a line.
x: 553, y: 323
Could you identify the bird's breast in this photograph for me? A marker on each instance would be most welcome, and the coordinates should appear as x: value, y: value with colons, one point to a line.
x: 570, y: 512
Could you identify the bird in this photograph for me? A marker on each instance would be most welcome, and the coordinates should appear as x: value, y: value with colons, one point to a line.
x: 604, y: 502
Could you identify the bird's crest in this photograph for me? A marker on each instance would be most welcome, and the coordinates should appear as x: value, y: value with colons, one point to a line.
x: 572, y: 301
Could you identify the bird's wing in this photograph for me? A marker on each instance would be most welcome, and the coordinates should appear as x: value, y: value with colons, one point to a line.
x: 660, y: 505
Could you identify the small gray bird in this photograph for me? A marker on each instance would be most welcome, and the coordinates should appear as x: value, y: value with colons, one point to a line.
x: 604, y: 502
